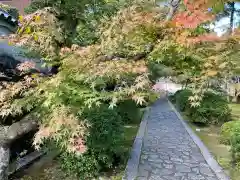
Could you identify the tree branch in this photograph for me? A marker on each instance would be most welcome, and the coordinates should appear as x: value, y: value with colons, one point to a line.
x: 173, y: 6
x: 136, y: 57
x: 117, y: 56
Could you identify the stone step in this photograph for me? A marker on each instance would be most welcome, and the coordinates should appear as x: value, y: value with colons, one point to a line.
x: 25, y: 161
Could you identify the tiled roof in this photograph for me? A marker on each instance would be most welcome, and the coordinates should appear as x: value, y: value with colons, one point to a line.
x: 7, y: 15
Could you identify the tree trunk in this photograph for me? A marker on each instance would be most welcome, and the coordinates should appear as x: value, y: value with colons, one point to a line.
x: 7, y: 135
x: 232, y: 12
x: 173, y: 6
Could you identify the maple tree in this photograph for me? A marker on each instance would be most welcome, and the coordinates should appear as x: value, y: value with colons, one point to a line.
x: 213, y: 66
x: 116, y: 69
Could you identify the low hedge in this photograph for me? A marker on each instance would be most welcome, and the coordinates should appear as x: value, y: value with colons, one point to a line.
x: 129, y: 111
x: 227, y: 131
x: 230, y: 135
x: 235, y: 148
x: 104, y: 144
x: 181, y: 99
x: 213, y: 108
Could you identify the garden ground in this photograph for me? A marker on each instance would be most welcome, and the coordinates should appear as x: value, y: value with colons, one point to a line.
x: 170, y: 150
x: 49, y: 169
x: 210, y: 136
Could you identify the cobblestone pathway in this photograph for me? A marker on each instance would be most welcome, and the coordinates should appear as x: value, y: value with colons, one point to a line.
x: 168, y: 152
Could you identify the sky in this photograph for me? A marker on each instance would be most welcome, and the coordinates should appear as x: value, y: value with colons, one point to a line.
x: 221, y: 26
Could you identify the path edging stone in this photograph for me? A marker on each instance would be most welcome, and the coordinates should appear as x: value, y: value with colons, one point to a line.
x: 131, y: 170
x: 213, y: 164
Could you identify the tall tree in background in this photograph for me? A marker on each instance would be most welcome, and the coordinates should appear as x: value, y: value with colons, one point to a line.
x: 232, y: 12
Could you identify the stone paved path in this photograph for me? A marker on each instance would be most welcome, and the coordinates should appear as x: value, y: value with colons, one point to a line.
x: 168, y: 152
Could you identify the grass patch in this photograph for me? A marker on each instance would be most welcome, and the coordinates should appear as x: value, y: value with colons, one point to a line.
x: 51, y: 170
x: 235, y: 111
x: 210, y: 136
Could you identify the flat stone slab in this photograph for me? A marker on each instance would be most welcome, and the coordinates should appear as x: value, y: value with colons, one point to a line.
x: 26, y: 160
x: 169, y: 151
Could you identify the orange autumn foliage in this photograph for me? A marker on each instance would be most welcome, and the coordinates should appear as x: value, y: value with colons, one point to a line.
x: 195, y: 14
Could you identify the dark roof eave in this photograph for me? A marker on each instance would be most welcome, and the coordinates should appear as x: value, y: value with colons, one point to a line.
x: 6, y: 15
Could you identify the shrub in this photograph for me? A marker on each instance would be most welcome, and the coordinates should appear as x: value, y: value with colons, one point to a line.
x: 235, y: 147
x: 172, y: 97
x: 181, y: 98
x: 34, y: 6
x: 129, y: 111
x: 103, y: 143
x: 227, y: 130
x: 151, y: 98
x: 230, y: 135
x: 212, y: 110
